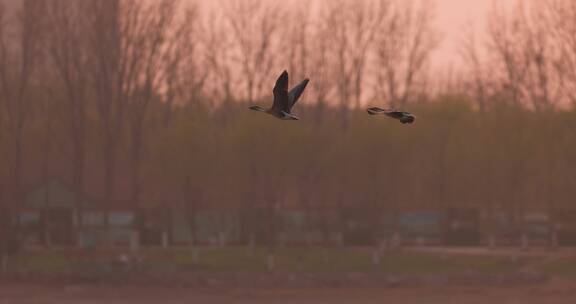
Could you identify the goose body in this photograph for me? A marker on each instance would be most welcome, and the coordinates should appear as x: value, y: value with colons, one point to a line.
x: 284, y: 100
x: 403, y: 117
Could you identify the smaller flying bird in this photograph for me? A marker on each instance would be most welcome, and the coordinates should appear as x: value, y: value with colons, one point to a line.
x: 403, y: 117
x: 284, y: 100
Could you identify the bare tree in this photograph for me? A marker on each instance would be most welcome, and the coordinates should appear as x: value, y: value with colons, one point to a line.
x: 111, y: 69
x: 366, y: 19
x: 507, y: 43
x: 322, y: 86
x: 405, y: 43
x: 339, y: 41
x: 67, y: 47
x: 20, y: 56
x: 561, y: 17
x: 344, y: 40
x: 144, y: 41
x: 220, y: 81
x: 518, y: 59
x: 296, y: 43
x: 254, y: 27
x: 471, y: 54
x: 539, y: 56
x: 155, y: 43
x: 186, y: 67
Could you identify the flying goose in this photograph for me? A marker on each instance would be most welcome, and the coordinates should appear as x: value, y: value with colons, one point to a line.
x: 403, y: 117
x: 284, y: 100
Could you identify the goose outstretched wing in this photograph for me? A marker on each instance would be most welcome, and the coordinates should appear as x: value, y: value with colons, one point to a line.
x: 281, y: 100
x: 296, y: 92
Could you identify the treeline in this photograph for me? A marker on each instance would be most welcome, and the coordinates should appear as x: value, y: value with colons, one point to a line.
x: 145, y: 102
x: 509, y: 159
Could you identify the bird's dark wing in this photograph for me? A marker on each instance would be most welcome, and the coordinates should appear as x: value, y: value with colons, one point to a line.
x: 281, y: 102
x: 297, y: 91
x: 395, y: 114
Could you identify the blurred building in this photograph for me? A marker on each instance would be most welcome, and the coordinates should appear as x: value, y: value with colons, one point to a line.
x: 48, y: 218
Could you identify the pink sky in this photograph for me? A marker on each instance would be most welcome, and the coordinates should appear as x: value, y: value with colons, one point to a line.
x: 453, y: 17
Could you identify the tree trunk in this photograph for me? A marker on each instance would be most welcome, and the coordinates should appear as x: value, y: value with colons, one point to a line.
x: 110, y: 180
x: 135, y: 179
x: 79, y: 159
x: 165, y: 239
x: 192, y: 203
x: 195, y: 253
x: 4, y: 258
x: 271, y: 234
x: 17, y: 180
x: 271, y: 261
